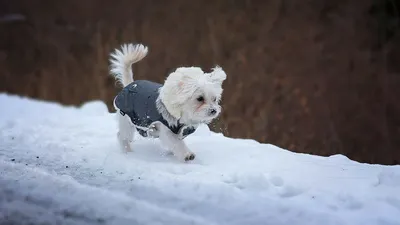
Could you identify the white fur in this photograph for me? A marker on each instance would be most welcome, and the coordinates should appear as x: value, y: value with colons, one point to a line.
x: 122, y: 60
x: 178, y: 100
x: 182, y: 87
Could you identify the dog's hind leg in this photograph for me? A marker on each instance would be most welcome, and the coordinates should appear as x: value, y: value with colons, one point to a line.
x: 126, y: 132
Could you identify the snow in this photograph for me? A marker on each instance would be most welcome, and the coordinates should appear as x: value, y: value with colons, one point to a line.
x: 62, y: 165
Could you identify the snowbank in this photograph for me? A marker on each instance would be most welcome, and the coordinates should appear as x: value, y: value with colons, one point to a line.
x: 62, y: 165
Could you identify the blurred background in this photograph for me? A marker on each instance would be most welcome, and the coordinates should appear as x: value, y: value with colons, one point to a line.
x: 312, y: 76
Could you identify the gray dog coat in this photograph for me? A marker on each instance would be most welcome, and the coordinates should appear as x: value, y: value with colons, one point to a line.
x: 138, y: 101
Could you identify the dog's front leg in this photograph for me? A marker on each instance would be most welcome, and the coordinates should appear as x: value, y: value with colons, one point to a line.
x: 174, y: 143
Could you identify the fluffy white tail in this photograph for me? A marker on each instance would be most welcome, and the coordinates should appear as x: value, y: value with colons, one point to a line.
x: 122, y: 60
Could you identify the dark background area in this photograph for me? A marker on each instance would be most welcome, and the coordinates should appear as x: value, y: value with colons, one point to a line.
x: 313, y: 76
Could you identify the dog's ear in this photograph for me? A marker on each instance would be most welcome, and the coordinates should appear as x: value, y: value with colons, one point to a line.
x: 217, y: 75
x: 178, y: 88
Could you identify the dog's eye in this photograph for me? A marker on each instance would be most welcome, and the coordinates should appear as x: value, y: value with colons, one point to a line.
x: 215, y: 99
x: 200, y: 99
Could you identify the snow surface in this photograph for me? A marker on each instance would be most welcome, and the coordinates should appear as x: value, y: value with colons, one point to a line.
x: 62, y: 165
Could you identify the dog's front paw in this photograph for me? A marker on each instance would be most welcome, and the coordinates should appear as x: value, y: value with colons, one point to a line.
x: 189, y: 156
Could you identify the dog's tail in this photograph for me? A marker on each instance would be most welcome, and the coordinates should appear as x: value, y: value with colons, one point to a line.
x: 122, y: 60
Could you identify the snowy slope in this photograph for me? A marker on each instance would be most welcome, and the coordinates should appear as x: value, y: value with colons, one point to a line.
x: 62, y: 165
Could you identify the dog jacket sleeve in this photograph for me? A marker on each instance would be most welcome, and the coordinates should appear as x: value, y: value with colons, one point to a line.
x: 138, y: 101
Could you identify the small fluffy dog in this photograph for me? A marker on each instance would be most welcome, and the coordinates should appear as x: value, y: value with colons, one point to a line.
x: 170, y: 112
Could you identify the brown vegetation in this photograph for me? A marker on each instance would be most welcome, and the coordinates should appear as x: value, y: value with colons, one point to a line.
x: 312, y: 76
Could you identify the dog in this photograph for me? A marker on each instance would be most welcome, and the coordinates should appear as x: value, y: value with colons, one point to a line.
x: 170, y: 111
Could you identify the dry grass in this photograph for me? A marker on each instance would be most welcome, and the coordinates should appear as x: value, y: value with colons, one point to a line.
x: 304, y: 76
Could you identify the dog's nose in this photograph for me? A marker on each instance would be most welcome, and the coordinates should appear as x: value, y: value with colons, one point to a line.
x: 213, y: 112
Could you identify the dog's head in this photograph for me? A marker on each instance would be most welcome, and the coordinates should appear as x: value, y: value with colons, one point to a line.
x: 192, y: 96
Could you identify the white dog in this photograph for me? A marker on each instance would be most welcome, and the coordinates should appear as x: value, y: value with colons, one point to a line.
x: 188, y: 98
